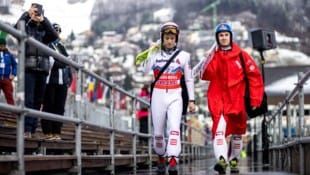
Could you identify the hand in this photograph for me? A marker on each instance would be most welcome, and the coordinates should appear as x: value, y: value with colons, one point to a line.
x: 192, y: 107
x: 253, y: 108
x: 33, y: 13
x: 37, y: 18
x: 11, y: 77
x: 208, y: 52
x: 156, y: 44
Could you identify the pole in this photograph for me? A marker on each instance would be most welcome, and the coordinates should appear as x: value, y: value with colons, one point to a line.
x: 20, y: 101
x: 262, y: 62
x: 265, y: 140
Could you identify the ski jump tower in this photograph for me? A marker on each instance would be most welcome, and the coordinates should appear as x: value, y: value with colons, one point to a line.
x: 212, y: 6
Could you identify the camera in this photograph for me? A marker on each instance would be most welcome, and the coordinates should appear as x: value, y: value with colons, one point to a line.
x: 39, y: 8
x: 263, y: 39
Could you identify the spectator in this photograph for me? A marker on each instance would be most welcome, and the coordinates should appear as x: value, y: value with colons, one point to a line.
x: 37, y: 62
x: 8, y: 69
x: 195, y: 130
x: 208, y: 133
x: 226, y: 96
x: 143, y: 113
x: 57, y: 84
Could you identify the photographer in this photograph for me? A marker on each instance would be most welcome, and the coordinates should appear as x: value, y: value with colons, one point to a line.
x: 37, y: 62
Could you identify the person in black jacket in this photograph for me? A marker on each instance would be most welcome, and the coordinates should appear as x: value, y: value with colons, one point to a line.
x: 57, y: 84
x: 36, y: 61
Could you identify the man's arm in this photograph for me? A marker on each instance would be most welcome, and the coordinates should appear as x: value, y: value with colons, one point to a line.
x: 51, y: 35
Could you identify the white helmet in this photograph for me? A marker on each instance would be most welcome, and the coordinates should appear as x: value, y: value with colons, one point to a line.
x: 169, y: 28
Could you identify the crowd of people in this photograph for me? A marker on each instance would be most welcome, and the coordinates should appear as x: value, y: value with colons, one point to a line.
x: 47, y: 81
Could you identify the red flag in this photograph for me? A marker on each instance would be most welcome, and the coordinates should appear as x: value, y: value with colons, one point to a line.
x: 73, y: 84
x: 99, y: 90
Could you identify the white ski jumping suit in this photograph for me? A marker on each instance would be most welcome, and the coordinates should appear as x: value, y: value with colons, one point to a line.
x: 167, y: 98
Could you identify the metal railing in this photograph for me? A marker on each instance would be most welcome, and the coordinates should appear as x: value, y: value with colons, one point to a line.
x: 295, y: 117
x: 287, y: 105
x: 77, y: 119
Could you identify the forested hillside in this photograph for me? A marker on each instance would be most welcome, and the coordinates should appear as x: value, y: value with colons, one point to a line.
x: 290, y: 17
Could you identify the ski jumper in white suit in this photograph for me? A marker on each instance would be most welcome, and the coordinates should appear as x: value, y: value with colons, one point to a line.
x: 167, y: 99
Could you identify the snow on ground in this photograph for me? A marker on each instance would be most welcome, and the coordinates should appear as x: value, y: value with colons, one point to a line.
x: 279, y: 87
x: 291, y: 57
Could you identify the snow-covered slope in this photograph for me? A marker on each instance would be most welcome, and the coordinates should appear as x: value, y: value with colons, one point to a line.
x: 286, y: 84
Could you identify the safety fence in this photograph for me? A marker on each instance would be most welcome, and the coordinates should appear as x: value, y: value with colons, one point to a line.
x: 80, y: 123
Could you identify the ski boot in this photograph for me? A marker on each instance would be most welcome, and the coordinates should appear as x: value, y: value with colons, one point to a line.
x: 173, y: 166
x: 221, y: 166
x: 161, y: 166
x: 234, y: 165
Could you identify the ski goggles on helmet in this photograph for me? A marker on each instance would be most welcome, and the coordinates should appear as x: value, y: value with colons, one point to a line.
x: 171, y: 30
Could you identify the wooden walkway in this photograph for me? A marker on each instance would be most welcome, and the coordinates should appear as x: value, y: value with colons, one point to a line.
x: 42, y: 155
x: 58, y: 156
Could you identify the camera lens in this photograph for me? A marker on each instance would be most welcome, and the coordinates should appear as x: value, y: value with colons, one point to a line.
x: 37, y: 13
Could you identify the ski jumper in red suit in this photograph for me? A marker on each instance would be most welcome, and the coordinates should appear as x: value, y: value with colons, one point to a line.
x: 227, y: 88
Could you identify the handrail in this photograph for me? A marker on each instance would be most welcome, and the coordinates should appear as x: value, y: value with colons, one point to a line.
x: 18, y: 34
x: 281, y: 141
x: 290, y: 96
